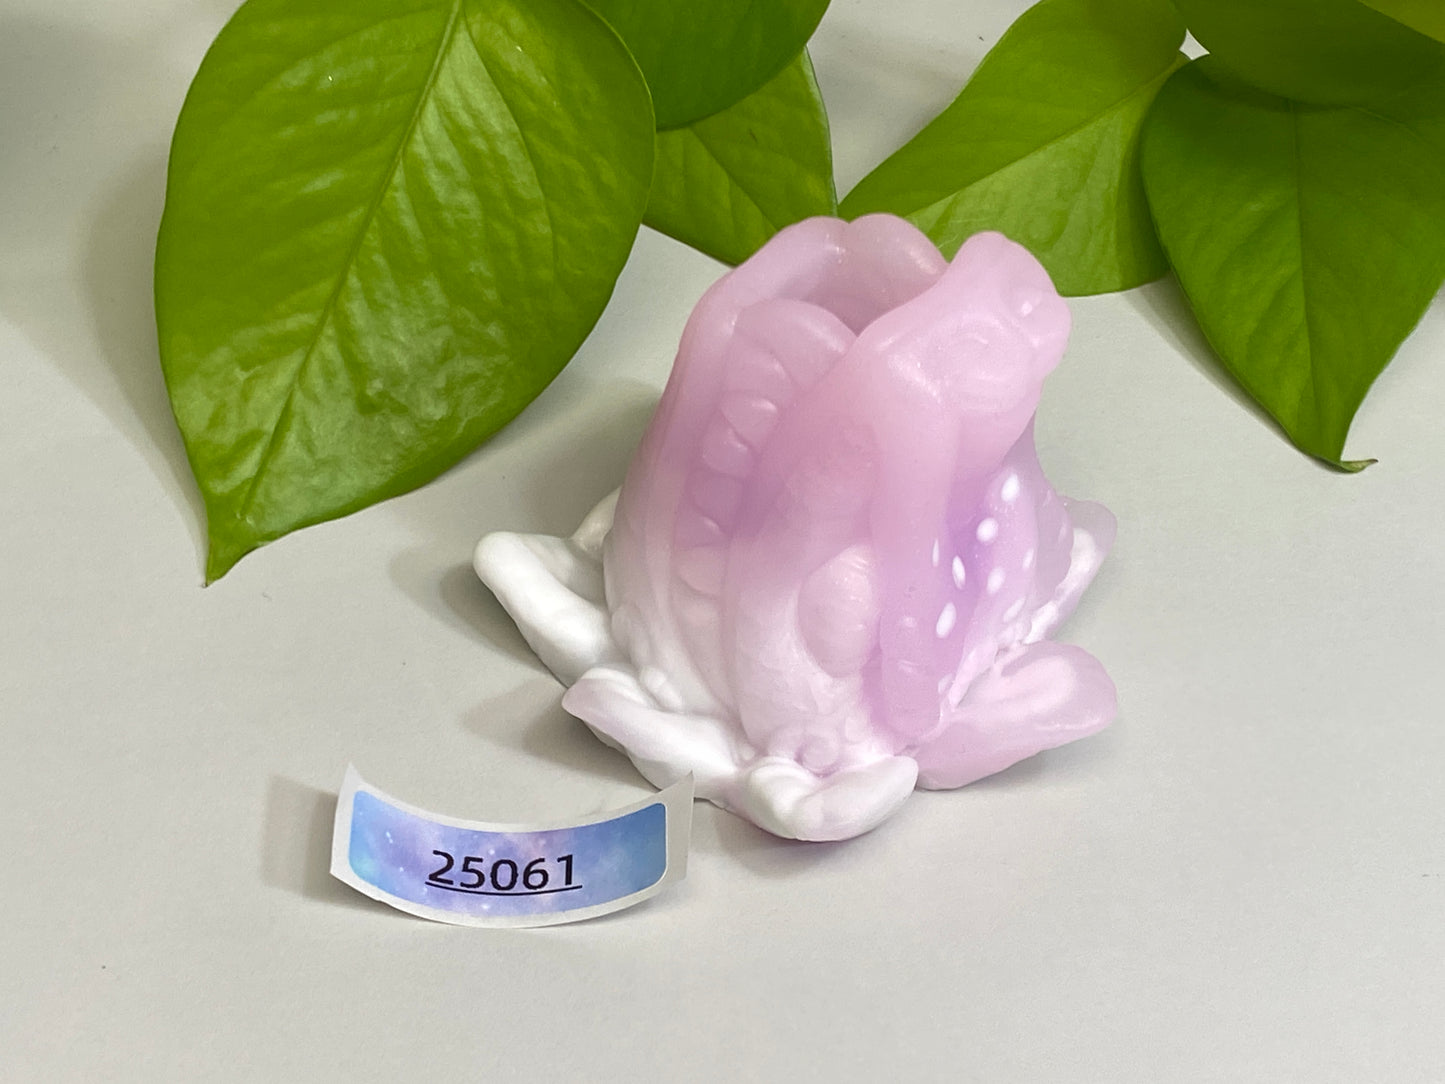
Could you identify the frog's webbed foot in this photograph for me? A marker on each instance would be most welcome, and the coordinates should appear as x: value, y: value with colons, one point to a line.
x: 785, y: 798
x: 775, y: 793
x: 1042, y: 696
x: 665, y: 745
x: 552, y: 588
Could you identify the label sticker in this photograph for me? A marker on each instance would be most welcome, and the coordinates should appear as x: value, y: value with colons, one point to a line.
x: 475, y: 874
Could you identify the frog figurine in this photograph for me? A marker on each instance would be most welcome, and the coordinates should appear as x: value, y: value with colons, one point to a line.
x: 831, y: 573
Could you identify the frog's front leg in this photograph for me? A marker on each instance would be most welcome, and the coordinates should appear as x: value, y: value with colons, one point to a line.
x: 803, y: 611
x: 552, y: 588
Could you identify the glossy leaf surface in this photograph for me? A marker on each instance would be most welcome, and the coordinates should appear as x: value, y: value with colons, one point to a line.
x: 1043, y: 145
x: 1309, y: 240
x: 1329, y: 52
x: 726, y: 184
x: 701, y: 56
x: 1426, y: 16
x: 388, y: 225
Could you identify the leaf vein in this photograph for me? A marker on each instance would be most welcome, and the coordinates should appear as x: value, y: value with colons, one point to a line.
x: 1304, y: 270
x: 736, y: 181
x: 526, y: 148
x: 364, y: 227
x: 1107, y: 113
x: 948, y: 203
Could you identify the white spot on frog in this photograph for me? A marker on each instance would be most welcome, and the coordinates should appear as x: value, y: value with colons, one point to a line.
x: 1010, y: 490
x: 960, y: 574
x: 995, y: 581
x: 988, y: 530
x: 946, y: 619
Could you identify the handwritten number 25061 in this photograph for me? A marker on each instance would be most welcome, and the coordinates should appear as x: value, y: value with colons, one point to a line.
x: 504, y: 875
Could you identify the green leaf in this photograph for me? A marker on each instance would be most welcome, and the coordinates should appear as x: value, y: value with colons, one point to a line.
x: 1043, y: 145
x: 701, y: 56
x: 1328, y: 52
x: 388, y: 225
x: 1309, y: 240
x: 726, y: 184
x: 1426, y: 16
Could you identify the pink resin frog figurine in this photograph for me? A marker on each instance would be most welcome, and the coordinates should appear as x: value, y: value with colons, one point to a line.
x: 832, y: 569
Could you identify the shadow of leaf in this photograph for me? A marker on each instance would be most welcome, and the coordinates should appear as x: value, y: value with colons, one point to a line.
x: 118, y: 272
x: 1167, y: 311
x: 78, y: 219
x: 568, y: 452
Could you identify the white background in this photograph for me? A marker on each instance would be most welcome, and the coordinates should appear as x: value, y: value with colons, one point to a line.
x: 1242, y: 879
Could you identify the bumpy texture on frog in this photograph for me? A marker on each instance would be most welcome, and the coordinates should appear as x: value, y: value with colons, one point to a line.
x: 831, y: 571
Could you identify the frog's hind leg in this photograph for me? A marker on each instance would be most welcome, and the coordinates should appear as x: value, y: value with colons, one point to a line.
x: 1042, y: 696
x: 1093, y: 530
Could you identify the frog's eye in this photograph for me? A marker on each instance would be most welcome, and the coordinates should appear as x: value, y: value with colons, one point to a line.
x: 1023, y: 300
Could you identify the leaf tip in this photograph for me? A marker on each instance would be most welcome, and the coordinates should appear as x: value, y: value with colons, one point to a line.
x: 223, y: 553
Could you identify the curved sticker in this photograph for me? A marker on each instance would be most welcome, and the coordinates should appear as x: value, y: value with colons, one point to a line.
x: 477, y: 874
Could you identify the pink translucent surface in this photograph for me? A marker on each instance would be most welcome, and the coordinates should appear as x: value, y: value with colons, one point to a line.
x: 835, y: 559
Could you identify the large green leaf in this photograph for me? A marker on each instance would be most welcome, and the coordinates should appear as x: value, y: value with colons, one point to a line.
x: 727, y: 183
x: 1043, y: 144
x: 1426, y: 16
x: 1308, y: 239
x: 701, y: 56
x: 388, y: 225
x: 1329, y: 52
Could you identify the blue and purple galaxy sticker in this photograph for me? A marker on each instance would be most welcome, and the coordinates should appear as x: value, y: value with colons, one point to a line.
x: 478, y: 874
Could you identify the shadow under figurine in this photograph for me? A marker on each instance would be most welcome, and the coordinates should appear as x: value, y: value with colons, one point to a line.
x: 833, y: 566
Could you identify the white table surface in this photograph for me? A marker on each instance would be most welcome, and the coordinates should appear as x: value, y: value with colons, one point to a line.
x: 1242, y: 879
